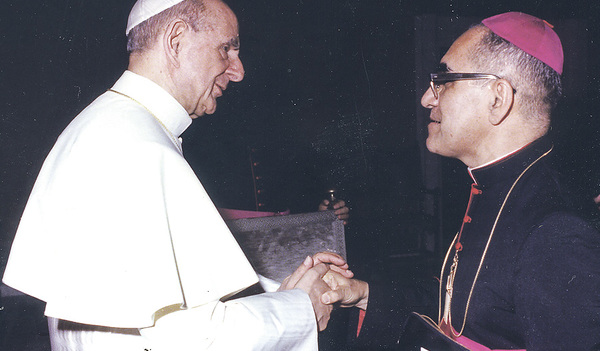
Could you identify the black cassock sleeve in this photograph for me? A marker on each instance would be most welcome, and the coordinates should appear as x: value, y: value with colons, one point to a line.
x: 390, y: 303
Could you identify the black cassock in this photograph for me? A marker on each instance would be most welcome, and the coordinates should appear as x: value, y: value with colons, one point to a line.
x: 539, y: 285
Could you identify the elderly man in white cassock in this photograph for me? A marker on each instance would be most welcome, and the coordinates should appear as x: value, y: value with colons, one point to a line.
x: 119, y: 237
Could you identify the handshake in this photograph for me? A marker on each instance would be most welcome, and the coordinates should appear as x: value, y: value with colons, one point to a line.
x: 326, y: 279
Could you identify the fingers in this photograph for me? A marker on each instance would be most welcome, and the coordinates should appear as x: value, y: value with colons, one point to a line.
x: 345, y: 292
x: 319, y: 269
x: 345, y: 272
x: 326, y: 279
x: 339, y: 290
x: 329, y: 257
x: 340, y: 209
x: 291, y: 281
x: 312, y: 280
x: 335, y: 261
x: 317, y: 289
x: 333, y: 296
x: 318, y: 261
x: 323, y: 314
x: 340, y: 204
x: 345, y: 295
x: 342, y: 213
x: 323, y: 206
x: 312, y: 283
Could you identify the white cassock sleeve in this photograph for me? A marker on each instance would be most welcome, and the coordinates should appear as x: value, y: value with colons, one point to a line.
x: 269, y: 321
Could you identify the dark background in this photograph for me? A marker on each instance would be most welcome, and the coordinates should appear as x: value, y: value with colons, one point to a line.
x: 330, y: 99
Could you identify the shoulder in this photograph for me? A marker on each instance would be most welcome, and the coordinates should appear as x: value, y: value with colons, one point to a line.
x: 111, y: 114
x: 538, y: 196
x: 566, y: 227
x: 562, y: 239
x: 114, y: 122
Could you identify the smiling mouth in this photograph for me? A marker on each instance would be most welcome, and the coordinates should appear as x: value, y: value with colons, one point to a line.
x: 222, y: 86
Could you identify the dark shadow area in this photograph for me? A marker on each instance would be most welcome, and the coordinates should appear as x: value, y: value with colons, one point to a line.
x: 23, y: 325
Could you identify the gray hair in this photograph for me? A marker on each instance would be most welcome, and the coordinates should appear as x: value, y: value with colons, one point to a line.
x: 143, y: 36
x: 538, y: 86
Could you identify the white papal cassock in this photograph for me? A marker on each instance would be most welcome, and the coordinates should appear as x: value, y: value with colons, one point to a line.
x: 118, y: 232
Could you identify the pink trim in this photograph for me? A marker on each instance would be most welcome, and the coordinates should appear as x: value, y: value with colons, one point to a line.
x: 475, y: 346
x: 361, y: 319
x: 470, y: 169
x: 471, y: 345
x: 228, y: 213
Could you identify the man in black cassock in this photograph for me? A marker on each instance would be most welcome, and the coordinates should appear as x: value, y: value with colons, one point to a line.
x: 523, y: 271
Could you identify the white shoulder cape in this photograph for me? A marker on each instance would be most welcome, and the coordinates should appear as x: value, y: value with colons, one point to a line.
x: 118, y: 226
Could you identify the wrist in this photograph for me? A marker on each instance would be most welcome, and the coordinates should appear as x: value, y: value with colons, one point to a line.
x: 364, y: 300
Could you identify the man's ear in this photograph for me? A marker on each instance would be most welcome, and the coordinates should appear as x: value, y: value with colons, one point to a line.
x: 173, y: 39
x: 503, y: 95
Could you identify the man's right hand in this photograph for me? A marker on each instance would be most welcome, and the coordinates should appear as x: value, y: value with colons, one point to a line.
x: 310, y: 280
x: 347, y: 292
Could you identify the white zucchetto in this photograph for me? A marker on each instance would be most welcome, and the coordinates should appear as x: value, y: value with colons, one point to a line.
x: 144, y: 9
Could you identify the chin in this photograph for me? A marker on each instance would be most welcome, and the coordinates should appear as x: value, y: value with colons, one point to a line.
x: 432, y: 146
x: 204, y: 111
x: 429, y: 144
x: 211, y: 108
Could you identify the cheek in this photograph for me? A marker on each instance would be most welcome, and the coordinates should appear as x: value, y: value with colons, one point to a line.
x: 457, y: 114
x: 204, y: 86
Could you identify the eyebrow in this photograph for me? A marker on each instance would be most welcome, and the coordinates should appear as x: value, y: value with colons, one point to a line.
x: 234, y: 43
x: 442, y: 67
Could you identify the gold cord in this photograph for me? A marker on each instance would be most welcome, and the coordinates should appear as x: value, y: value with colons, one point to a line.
x: 153, y: 115
x: 484, y: 253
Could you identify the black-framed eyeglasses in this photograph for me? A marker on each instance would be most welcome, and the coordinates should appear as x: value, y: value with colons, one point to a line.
x: 439, y: 79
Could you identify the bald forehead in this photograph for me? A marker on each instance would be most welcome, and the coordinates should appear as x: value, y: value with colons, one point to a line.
x: 223, y: 24
x: 220, y: 13
x: 459, y: 57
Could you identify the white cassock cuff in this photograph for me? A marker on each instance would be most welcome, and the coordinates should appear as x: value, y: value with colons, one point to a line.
x: 271, y: 321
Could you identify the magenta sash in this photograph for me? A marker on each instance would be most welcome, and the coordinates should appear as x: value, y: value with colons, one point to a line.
x: 474, y: 346
x: 228, y: 213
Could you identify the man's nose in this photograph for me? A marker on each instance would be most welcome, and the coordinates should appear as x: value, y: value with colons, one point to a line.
x: 235, y: 71
x: 428, y: 100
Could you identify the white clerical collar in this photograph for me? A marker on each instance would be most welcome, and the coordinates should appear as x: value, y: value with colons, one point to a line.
x: 471, y: 169
x: 164, y: 106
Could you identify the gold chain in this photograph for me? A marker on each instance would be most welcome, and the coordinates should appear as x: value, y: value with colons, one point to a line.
x: 153, y: 115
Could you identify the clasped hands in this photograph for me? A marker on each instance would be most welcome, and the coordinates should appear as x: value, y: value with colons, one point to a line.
x: 326, y: 279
